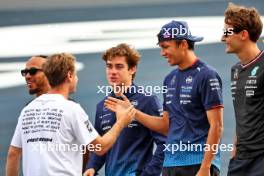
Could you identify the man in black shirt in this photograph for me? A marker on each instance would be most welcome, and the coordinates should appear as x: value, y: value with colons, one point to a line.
x: 243, y: 27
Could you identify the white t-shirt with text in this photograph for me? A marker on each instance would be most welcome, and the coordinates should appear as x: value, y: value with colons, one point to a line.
x: 52, y: 132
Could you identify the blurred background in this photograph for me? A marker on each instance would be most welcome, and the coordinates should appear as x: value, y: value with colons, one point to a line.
x: 86, y: 29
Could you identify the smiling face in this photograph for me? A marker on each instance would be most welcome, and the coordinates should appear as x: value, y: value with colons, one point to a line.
x: 117, y: 71
x: 37, y: 83
x: 172, y: 52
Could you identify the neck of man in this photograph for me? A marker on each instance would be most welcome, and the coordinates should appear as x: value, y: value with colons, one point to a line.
x: 62, y: 89
x: 188, y: 60
x: 249, y: 52
x: 123, y: 87
x: 43, y: 91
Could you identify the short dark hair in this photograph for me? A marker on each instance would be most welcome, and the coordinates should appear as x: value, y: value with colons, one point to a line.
x: 189, y: 42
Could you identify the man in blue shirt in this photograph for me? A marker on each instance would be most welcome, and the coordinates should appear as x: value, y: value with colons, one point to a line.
x: 193, y: 107
x: 132, y: 154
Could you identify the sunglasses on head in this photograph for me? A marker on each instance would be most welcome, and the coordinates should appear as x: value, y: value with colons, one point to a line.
x: 32, y: 71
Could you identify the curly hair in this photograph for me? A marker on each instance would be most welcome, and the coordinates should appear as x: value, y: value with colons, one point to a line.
x: 132, y: 55
x: 243, y: 18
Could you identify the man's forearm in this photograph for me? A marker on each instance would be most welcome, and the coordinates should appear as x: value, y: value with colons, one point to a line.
x: 109, y: 138
x: 13, y: 161
x: 12, y: 168
x: 85, y: 157
x: 155, y: 123
x: 213, y: 139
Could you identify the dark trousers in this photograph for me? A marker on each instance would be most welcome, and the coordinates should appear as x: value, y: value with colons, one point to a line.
x: 246, y: 167
x: 191, y: 170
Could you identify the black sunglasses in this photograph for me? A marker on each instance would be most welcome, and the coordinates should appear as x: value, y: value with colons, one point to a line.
x: 32, y: 71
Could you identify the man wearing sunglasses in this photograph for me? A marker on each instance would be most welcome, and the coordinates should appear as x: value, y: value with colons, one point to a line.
x: 36, y: 80
x: 247, y: 77
x: 52, y: 131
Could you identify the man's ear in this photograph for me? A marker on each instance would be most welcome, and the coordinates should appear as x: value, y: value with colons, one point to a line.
x: 133, y: 69
x: 244, y: 35
x: 70, y: 75
x: 184, y: 44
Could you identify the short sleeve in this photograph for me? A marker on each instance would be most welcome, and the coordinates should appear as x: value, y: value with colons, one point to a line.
x: 82, y: 127
x: 164, y: 95
x: 211, y: 90
x: 17, y: 138
x: 154, y: 107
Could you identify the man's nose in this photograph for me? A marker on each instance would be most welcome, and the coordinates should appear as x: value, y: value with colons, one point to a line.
x: 113, y: 70
x: 27, y: 76
x: 223, y: 38
x: 162, y: 52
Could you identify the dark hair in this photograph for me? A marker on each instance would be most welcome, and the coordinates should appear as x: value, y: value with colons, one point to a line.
x: 189, y: 42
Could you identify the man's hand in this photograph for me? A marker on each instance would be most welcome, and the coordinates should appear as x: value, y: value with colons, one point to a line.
x: 124, y: 110
x: 125, y: 115
x: 233, y: 152
x: 89, y: 172
x: 114, y: 103
x: 203, y: 172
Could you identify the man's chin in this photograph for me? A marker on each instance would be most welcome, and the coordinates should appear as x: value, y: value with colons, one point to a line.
x: 32, y: 91
x: 229, y: 50
x: 113, y: 84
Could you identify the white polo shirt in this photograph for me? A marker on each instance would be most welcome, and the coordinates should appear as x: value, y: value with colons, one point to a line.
x: 52, y: 132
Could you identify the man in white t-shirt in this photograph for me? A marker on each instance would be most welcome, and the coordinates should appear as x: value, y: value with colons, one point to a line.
x: 52, y: 130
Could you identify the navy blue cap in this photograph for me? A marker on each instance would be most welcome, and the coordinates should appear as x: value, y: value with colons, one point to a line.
x: 177, y: 30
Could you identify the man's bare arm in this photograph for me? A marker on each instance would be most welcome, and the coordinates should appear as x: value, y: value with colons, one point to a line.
x: 124, y: 117
x: 155, y: 123
x: 158, y: 124
x: 215, y: 119
x: 13, y: 161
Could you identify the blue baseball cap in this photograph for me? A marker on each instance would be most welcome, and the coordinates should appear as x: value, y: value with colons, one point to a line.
x: 177, y: 30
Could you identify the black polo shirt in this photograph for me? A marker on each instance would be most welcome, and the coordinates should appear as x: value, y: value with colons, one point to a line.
x: 247, y: 87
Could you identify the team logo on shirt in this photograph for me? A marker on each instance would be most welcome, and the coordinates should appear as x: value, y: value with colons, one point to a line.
x: 189, y: 80
x: 134, y: 123
x: 105, y: 109
x: 236, y: 74
x: 134, y: 102
x: 173, y: 80
x: 254, y: 71
x: 88, y: 126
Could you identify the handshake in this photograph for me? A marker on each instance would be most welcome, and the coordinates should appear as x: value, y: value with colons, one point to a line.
x: 124, y: 110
